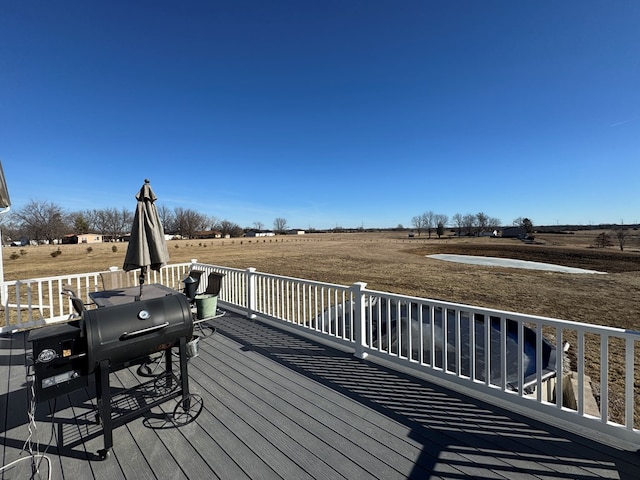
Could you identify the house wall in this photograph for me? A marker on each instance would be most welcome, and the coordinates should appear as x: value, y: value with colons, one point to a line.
x: 90, y: 238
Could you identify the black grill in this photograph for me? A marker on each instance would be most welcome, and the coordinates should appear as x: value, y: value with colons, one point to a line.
x: 125, y: 333
x: 104, y: 340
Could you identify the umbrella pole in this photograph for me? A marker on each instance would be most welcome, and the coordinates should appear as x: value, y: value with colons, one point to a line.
x: 143, y: 273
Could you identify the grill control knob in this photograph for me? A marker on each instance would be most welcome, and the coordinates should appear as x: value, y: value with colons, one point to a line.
x: 143, y: 315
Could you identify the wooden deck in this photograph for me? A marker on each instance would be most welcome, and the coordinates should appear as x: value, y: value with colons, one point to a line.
x: 280, y: 406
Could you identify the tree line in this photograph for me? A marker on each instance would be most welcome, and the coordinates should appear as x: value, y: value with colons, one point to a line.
x: 43, y: 221
x: 469, y: 224
x: 465, y: 224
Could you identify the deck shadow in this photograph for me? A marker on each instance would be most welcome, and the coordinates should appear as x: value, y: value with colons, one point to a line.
x: 465, y: 434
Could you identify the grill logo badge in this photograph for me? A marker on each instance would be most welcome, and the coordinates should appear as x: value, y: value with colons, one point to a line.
x: 45, y: 356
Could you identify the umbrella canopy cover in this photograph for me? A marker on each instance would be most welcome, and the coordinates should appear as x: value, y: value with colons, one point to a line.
x: 147, y: 246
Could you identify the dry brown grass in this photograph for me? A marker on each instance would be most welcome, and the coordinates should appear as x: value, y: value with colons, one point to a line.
x: 394, y: 263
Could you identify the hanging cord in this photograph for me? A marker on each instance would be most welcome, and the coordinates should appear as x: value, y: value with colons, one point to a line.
x: 34, y: 455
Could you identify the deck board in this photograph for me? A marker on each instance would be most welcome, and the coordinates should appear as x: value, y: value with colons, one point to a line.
x: 279, y: 406
x: 319, y: 425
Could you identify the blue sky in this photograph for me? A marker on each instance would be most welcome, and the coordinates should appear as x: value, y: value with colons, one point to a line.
x: 326, y: 113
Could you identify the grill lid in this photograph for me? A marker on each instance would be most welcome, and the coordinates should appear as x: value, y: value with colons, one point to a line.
x: 123, y: 333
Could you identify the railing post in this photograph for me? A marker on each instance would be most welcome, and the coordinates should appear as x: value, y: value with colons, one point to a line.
x: 359, y: 319
x: 251, y: 292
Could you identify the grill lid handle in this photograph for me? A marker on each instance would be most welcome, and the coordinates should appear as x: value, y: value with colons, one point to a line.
x: 144, y: 331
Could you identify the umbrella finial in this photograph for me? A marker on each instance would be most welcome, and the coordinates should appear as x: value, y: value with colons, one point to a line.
x: 146, y: 181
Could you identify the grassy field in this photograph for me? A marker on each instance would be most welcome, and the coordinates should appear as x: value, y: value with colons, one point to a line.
x: 393, y: 262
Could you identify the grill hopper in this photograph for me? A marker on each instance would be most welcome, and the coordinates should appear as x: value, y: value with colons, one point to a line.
x: 124, y: 333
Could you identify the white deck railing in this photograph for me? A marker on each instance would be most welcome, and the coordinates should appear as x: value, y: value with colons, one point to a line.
x: 36, y: 302
x: 502, y: 357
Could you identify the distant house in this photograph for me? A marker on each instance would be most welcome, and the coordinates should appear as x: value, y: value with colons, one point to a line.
x: 259, y: 233
x: 514, y: 232
x: 295, y: 231
x: 82, y: 238
x: 23, y: 242
x: 207, y: 234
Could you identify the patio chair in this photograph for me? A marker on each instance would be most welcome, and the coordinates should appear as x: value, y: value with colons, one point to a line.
x: 76, y: 302
x: 114, y: 279
x: 214, y: 283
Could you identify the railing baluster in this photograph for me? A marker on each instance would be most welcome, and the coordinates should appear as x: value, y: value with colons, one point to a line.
x: 604, y: 376
x: 520, y: 358
x: 487, y: 349
x: 559, y: 367
x: 539, y: 361
x: 581, y: 373
x: 629, y: 382
x: 472, y: 346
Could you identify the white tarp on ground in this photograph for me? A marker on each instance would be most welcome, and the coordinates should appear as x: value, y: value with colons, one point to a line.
x: 509, y: 263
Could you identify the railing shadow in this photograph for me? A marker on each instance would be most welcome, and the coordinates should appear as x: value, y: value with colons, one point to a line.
x: 461, y: 437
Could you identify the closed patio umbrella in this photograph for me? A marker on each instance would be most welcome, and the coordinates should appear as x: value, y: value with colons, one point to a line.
x: 147, y: 246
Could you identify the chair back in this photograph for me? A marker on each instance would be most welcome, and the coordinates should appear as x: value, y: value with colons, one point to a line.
x: 214, y: 283
x: 114, y: 279
x: 76, y: 302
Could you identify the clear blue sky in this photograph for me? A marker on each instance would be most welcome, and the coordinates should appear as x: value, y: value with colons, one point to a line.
x: 326, y: 113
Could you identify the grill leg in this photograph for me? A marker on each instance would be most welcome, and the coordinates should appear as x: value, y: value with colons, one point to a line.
x: 184, y: 375
x: 187, y: 409
x: 103, y: 390
x: 168, y: 367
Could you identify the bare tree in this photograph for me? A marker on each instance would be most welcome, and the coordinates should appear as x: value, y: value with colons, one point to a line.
x: 213, y: 223
x: 188, y: 222
x: 621, y: 235
x: 418, y: 223
x: 481, y: 222
x: 42, y: 220
x: 10, y: 228
x: 259, y: 226
x: 469, y: 222
x: 167, y: 217
x: 458, y: 222
x: 230, y: 228
x: 118, y: 222
x: 493, y: 224
x: 280, y: 225
x: 428, y: 220
x: 101, y: 221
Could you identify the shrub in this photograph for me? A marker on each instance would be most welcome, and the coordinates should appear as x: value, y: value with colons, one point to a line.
x: 14, y: 256
x: 114, y: 249
x: 23, y: 252
x: 55, y: 253
x: 89, y: 249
